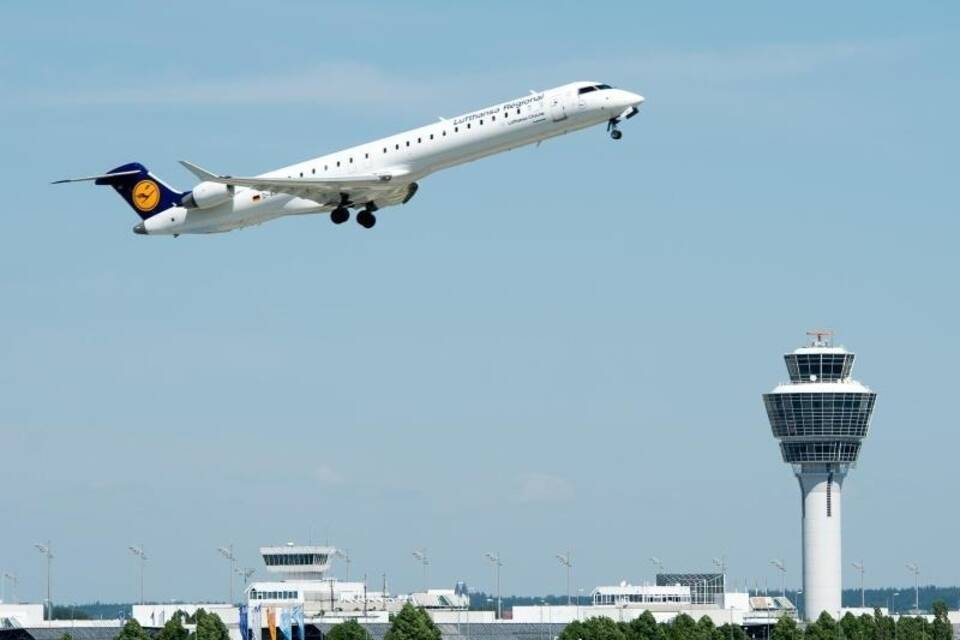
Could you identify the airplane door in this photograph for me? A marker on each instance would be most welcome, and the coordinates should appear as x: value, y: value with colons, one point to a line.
x: 558, y: 107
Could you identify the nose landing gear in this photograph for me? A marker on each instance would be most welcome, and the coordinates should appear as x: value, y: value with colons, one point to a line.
x: 615, y: 133
x: 628, y: 113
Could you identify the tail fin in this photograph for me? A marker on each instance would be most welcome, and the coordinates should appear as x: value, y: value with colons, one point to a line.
x: 143, y: 191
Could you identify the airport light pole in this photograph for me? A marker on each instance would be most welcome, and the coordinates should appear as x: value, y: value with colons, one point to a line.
x: 915, y: 569
x: 859, y: 567
x: 656, y: 562
x: 12, y: 577
x: 47, y: 551
x: 227, y: 553
x: 245, y: 574
x: 783, y: 576
x: 495, y: 559
x: 421, y: 556
x: 139, y: 553
x: 567, y: 561
x: 721, y: 564
x: 342, y: 553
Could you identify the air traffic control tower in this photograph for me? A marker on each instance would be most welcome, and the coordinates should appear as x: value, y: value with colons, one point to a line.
x: 820, y: 418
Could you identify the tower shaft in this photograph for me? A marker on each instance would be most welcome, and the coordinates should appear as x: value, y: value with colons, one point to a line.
x: 820, y: 491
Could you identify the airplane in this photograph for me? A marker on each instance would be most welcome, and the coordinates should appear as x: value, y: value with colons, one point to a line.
x: 368, y: 177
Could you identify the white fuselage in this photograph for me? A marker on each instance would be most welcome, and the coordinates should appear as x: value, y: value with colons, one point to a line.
x: 411, y: 155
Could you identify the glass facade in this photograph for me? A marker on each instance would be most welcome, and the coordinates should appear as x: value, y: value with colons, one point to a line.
x: 272, y: 595
x: 824, y: 424
x: 822, y: 451
x: 705, y: 588
x: 294, y: 559
x: 819, y: 414
x: 819, y: 367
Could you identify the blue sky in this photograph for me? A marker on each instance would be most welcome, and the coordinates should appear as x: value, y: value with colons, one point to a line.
x: 563, y: 347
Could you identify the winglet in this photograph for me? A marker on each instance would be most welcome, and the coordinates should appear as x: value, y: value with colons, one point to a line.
x: 200, y: 172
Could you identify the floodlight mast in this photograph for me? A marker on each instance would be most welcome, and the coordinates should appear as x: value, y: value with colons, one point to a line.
x: 47, y: 551
x: 656, y: 562
x: 421, y: 556
x: 12, y: 577
x: 820, y: 417
x: 139, y: 553
x: 227, y: 553
x: 567, y: 561
x: 495, y: 559
x: 915, y: 570
x: 783, y: 576
x: 863, y: 598
x: 342, y: 553
x: 245, y: 574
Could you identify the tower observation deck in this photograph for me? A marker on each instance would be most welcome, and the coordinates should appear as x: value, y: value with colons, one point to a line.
x: 820, y: 418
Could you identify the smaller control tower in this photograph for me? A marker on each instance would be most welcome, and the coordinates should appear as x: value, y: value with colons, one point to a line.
x: 820, y: 418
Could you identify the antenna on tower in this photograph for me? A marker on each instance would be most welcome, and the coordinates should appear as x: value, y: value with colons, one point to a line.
x: 821, y: 337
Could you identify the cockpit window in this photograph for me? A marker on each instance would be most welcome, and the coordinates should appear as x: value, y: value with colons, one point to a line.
x: 584, y: 90
x: 604, y: 86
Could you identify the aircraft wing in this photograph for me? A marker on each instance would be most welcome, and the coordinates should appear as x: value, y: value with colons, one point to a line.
x: 321, y: 190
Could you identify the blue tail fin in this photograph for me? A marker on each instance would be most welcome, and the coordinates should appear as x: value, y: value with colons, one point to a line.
x: 144, y: 192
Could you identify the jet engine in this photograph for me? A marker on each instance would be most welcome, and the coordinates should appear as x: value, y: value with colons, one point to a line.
x: 206, y: 195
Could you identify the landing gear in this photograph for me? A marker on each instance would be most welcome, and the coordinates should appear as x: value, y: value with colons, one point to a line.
x: 340, y: 215
x: 615, y: 133
x: 366, y: 219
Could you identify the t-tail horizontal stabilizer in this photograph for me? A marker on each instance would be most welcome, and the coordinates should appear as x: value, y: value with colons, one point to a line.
x: 145, y: 193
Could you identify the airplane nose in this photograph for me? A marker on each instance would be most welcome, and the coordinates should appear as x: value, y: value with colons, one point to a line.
x: 140, y: 230
x: 636, y: 99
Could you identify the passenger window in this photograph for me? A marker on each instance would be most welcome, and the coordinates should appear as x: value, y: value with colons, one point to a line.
x: 301, y: 174
x: 444, y: 132
x: 419, y: 140
x: 384, y: 149
x: 338, y: 163
x: 481, y: 120
x: 351, y: 160
x: 431, y: 136
x: 314, y: 171
x: 494, y: 118
x: 518, y: 111
x: 324, y: 167
x: 397, y: 147
x: 456, y: 129
x: 408, y: 143
x: 366, y: 156
x: 506, y: 114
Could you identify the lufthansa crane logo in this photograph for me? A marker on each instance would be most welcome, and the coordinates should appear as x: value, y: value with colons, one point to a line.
x: 146, y: 195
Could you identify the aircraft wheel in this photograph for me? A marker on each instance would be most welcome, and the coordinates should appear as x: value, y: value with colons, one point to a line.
x: 339, y: 215
x: 366, y: 219
x: 616, y: 134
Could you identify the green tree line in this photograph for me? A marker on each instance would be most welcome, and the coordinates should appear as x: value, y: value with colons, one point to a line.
x: 849, y: 627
